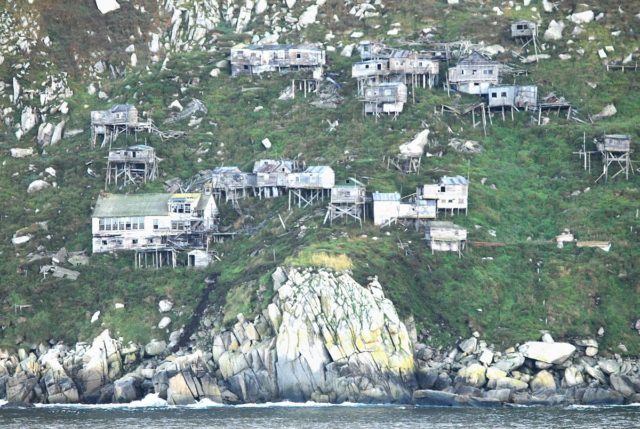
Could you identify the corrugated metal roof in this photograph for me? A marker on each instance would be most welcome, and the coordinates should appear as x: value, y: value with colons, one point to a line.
x: 119, y: 205
x: 454, y: 180
x: 349, y: 183
x: 386, y: 196
x: 226, y: 170
x: 318, y: 169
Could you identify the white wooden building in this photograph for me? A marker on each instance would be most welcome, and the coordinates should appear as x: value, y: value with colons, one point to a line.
x: 474, y: 74
x: 149, y: 221
x: 386, y: 98
x: 524, y: 29
x: 389, y: 208
x: 258, y: 59
x: 450, y: 193
x: 445, y: 237
x: 519, y: 96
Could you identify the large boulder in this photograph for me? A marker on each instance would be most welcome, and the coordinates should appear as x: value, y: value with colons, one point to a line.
x: 106, y: 6
x: 598, y: 396
x: 554, y: 353
x: 59, y: 388
x: 101, y: 365
x: 609, y: 366
x: 572, y: 377
x: 20, y: 388
x: 127, y: 389
x: 510, y: 362
x: 623, y: 384
x: 155, y: 347
x: 554, y: 31
x: 543, y: 380
x: 472, y: 375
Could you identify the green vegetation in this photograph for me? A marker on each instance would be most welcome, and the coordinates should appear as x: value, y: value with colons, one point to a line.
x: 509, y: 293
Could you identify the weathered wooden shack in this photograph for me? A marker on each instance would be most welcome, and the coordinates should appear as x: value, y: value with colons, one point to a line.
x: 348, y: 200
x: 132, y: 165
x: 121, y: 118
x: 518, y: 96
x: 386, y: 98
x: 524, y: 29
x: 230, y: 183
x: 445, y: 237
x: 395, y: 65
x: 153, y: 225
x: 258, y: 59
x: 450, y: 193
x: 389, y: 208
x: 474, y: 74
x: 615, y: 150
x: 310, y: 185
x: 271, y: 176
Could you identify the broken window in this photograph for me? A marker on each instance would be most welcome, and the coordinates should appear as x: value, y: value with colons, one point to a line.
x: 494, y: 95
x: 104, y: 242
x: 442, y: 189
x: 298, y: 56
x: 134, y: 241
x: 156, y: 224
x: 503, y: 94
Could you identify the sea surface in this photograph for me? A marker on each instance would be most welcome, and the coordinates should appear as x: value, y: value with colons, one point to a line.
x: 152, y: 412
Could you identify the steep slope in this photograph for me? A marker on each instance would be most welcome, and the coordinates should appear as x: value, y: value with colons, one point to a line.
x: 524, y: 185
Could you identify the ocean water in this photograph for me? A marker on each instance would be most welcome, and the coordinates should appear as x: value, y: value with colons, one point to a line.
x: 153, y: 412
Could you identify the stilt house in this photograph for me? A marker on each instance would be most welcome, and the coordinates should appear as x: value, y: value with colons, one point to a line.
x: 258, y: 59
x: 474, y: 74
x: 151, y: 221
x: 450, y: 194
x: 445, y: 237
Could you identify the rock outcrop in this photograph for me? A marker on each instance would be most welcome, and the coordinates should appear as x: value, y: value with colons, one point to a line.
x: 323, y: 338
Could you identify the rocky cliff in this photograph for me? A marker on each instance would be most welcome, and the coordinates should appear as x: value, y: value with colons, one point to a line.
x: 324, y: 338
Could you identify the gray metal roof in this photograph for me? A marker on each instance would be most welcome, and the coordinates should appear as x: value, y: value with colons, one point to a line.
x: 121, y: 108
x: 386, y: 196
x: 318, y: 169
x: 444, y: 224
x: 454, y: 180
x: 122, y: 205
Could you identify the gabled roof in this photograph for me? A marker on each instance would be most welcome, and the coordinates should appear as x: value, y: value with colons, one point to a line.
x: 123, y: 205
x: 318, y: 169
x: 476, y: 58
x: 453, y: 180
x: 272, y: 165
x: 226, y: 170
x: 386, y: 196
x: 349, y: 183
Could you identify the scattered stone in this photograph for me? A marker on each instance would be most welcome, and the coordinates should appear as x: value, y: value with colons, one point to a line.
x: 165, y: 305
x: 554, y: 353
x: 155, y: 348
x: 582, y: 17
x: 37, y: 185
x: 164, y: 322
x: 554, y: 31
x: 106, y: 6
x: 266, y: 143
x: 95, y: 316
x: 608, y: 111
x: 21, y: 153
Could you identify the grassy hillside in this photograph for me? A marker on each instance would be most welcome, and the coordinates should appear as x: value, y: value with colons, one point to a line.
x: 508, y: 293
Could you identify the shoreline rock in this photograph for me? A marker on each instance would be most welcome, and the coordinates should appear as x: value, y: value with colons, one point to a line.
x: 323, y: 338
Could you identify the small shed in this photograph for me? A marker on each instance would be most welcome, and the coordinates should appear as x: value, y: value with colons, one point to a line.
x: 444, y: 236
x: 615, y: 143
x: 313, y: 177
x: 385, y: 207
x: 370, y: 68
x: 520, y: 96
x: 199, y: 258
x: 350, y: 191
x: 388, y: 97
x: 524, y: 30
x: 119, y: 114
x: 451, y: 193
x: 272, y: 173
